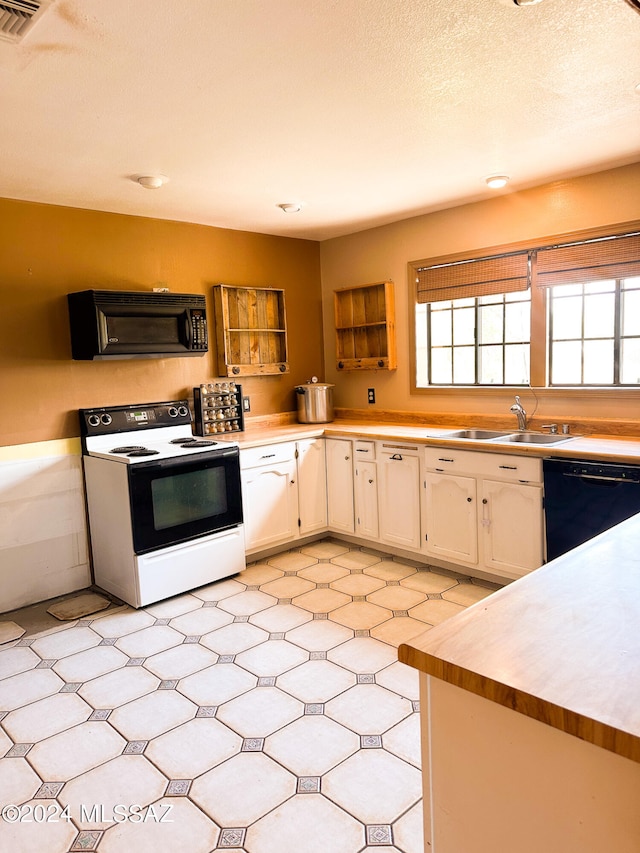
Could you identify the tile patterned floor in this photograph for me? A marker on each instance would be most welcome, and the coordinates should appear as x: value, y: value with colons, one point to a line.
x: 265, y: 713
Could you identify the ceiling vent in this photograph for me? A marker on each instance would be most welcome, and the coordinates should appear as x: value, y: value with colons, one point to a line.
x: 17, y: 17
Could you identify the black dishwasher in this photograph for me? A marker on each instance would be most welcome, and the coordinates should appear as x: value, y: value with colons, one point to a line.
x: 582, y: 499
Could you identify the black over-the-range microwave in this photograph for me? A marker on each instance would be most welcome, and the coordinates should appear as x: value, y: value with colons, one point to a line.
x: 109, y: 324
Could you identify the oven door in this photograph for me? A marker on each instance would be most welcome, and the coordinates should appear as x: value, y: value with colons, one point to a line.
x: 175, y: 500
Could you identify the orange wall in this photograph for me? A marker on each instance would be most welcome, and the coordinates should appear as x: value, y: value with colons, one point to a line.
x: 378, y: 254
x: 48, y: 251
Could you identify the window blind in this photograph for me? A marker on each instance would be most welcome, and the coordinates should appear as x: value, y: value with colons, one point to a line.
x: 476, y: 277
x: 604, y: 258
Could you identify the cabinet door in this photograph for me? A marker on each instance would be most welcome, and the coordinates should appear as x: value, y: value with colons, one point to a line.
x: 511, y: 528
x: 451, y: 517
x: 366, y: 499
x: 312, y: 486
x: 340, y: 484
x: 399, y: 499
x: 270, y: 503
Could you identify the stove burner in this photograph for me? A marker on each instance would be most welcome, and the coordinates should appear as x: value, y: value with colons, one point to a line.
x: 195, y: 443
x: 127, y: 448
x: 183, y: 441
x: 143, y: 451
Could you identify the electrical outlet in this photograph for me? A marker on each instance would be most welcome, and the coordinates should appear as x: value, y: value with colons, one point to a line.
x: 371, y: 395
x: 246, y: 404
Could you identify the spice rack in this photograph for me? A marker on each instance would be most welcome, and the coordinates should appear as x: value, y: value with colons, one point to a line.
x: 365, y: 327
x: 218, y: 408
x: 251, y: 330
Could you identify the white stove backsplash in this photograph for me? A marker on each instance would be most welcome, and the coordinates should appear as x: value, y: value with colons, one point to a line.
x: 43, y: 534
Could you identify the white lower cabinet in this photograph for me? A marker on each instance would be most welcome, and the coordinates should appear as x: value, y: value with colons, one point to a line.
x: 451, y: 517
x: 484, y: 510
x: 312, y: 486
x: 470, y: 509
x: 399, y: 494
x: 269, y: 495
x: 511, y: 527
x: 284, y: 492
x: 340, y: 505
x: 365, y: 487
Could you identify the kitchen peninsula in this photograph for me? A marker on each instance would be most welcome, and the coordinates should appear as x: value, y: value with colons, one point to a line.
x: 530, y: 705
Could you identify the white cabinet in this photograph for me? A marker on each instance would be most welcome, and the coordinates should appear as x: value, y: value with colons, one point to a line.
x: 284, y: 492
x: 399, y: 494
x: 341, y: 517
x: 312, y: 486
x: 451, y: 517
x: 269, y: 495
x: 484, y: 510
x: 365, y: 486
x: 511, y: 527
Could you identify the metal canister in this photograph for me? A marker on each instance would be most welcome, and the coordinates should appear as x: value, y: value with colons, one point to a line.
x: 315, y: 402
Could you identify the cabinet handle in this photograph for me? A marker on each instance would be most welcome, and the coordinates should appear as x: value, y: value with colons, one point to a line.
x: 486, y: 521
x: 346, y: 458
x: 509, y: 467
x: 267, y: 456
x: 469, y: 500
x: 371, y: 481
x: 397, y: 457
x: 444, y: 459
x: 293, y: 482
x: 361, y: 450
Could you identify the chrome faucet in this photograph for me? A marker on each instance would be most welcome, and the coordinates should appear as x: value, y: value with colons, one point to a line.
x: 520, y: 413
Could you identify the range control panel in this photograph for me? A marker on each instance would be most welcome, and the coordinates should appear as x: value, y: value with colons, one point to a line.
x: 114, y: 419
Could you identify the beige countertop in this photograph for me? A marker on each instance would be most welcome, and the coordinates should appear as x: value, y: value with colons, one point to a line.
x: 604, y: 447
x: 561, y: 645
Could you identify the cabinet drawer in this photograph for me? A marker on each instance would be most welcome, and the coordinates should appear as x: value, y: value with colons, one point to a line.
x: 400, y: 448
x: 499, y: 466
x: 364, y: 449
x: 267, y: 454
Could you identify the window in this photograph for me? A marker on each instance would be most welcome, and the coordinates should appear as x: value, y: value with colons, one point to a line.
x: 477, y: 322
x: 481, y: 341
x: 594, y: 333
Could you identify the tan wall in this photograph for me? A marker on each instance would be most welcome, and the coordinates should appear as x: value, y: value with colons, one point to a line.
x: 602, y: 199
x: 48, y: 251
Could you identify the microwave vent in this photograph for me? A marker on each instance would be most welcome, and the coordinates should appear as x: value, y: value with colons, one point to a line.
x: 17, y: 17
x: 142, y: 297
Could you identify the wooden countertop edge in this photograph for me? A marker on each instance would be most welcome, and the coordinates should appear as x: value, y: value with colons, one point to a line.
x: 622, y: 449
x: 592, y: 731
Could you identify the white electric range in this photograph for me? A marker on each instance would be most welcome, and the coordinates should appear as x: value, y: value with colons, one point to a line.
x: 165, y: 507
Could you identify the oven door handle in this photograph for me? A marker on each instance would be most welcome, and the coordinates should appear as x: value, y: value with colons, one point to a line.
x: 183, y: 461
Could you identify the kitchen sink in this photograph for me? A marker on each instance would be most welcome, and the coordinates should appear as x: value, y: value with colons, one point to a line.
x: 536, y: 438
x: 476, y: 434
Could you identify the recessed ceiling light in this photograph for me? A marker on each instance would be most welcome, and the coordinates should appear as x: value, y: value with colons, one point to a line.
x: 290, y: 207
x: 151, y: 182
x: 496, y: 182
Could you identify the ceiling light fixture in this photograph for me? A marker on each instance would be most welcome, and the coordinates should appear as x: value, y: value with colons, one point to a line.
x: 496, y: 182
x: 152, y: 182
x: 527, y: 2
x: 290, y: 207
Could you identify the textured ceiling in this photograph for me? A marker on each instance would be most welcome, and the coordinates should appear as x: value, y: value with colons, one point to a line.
x: 364, y: 111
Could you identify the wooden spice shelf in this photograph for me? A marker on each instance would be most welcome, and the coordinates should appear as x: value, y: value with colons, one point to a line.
x: 251, y: 330
x: 365, y: 327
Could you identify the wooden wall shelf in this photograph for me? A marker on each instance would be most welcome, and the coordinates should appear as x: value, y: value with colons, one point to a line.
x: 365, y: 327
x: 251, y: 330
